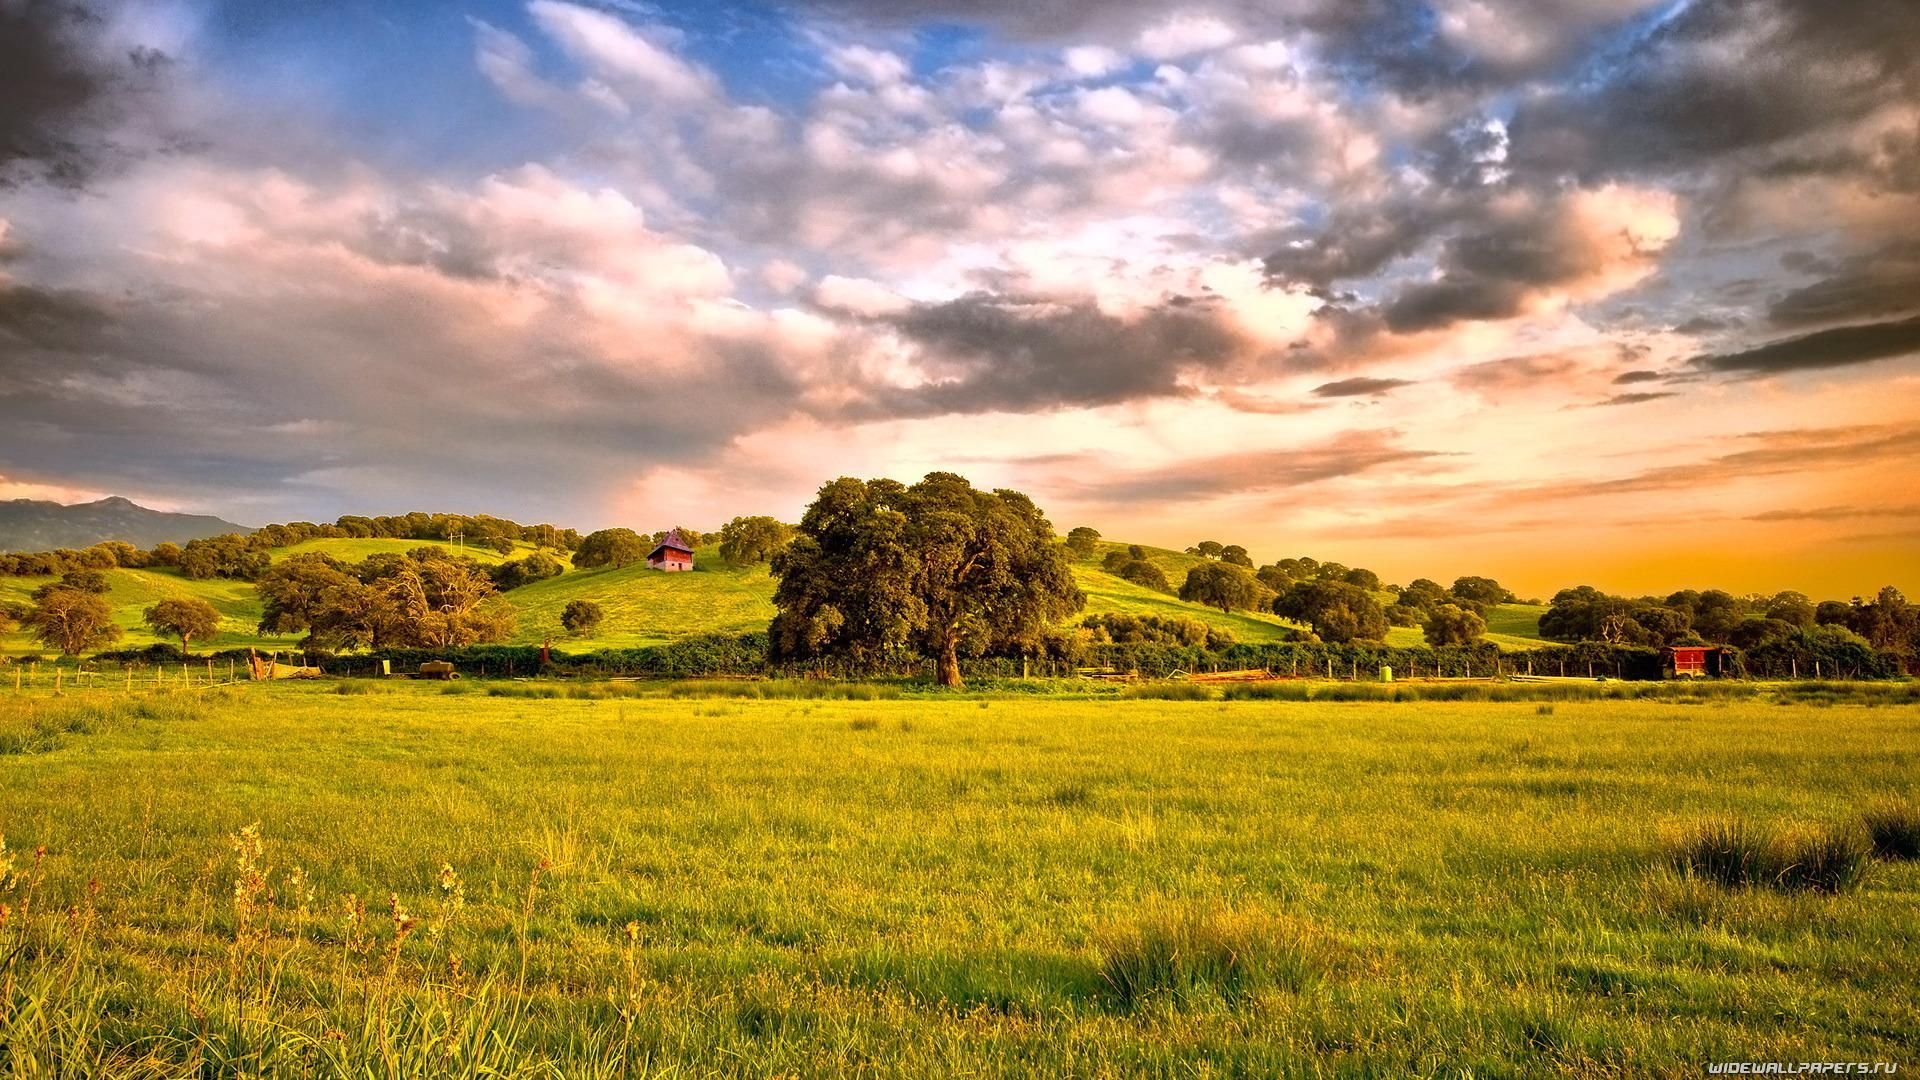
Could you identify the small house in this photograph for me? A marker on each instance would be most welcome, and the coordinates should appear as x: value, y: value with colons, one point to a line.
x: 671, y: 553
x: 1693, y: 662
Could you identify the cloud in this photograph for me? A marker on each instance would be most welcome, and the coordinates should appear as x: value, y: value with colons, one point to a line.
x: 1350, y: 454
x: 1628, y: 378
x: 1838, y: 347
x: 622, y: 54
x: 1636, y: 399
x: 1837, y: 513
x: 1359, y: 386
x: 1526, y: 249
x: 1494, y: 379
x: 66, y: 91
x: 986, y: 351
x: 1873, y: 284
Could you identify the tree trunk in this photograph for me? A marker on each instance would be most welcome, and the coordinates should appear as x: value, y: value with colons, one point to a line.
x: 946, y: 669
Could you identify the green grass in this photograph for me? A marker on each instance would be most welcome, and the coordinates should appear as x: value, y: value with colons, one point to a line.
x: 936, y: 886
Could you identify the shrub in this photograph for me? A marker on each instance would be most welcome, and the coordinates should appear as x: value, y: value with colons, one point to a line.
x: 1188, y: 957
x: 1894, y: 829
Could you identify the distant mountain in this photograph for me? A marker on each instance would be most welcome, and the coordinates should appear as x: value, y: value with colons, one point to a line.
x: 31, y: 525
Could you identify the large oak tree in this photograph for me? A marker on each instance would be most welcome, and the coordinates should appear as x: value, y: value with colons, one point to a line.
x: 938, y: 568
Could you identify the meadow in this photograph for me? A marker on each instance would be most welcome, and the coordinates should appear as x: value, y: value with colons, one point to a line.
x: 638, y: 879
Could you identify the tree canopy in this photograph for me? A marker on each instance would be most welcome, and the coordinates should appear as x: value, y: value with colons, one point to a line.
x: 188, y: 618
x: 939, y: 568
x: 72, y: 621
x: 748, y: 540
x: 1451, y: 624
x: 426, y: 598
x: 1081, y: 540
x: 580, y: 617
x: 1334, y: 610
x: 1225, y: 586
x: 611, y: 547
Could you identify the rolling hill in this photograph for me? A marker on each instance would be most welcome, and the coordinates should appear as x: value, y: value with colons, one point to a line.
x: 646, y: 607
x: 34, y: 525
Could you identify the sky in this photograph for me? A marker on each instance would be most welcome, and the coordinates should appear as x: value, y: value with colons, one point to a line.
x: 1616, y: 292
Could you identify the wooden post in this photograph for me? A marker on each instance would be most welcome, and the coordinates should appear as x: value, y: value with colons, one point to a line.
x: 56, y: 680
x: 16, y: 678
x: 129, y: 671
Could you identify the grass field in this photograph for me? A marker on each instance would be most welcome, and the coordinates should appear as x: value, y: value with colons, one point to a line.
x: 131, y: 592
x: 934, y: 886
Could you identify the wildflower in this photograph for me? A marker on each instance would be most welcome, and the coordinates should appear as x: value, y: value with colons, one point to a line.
x: 633, y: 931
x: 402, y: 920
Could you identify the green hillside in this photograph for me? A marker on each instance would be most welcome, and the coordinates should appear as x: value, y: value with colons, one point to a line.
x: 131, y: 592
x: 646, y: 607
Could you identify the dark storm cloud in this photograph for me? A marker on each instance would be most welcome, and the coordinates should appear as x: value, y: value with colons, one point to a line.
x: 1723, y: 78
x: 1352, y: 454
x: 1875, y: 284
x: 1838, y: 347
x: 1359, y: 387
x: 989, y: 351
x: 58, y: 95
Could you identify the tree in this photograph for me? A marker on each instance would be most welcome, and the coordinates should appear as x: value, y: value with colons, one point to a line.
x: 1481, y: 590
x: 1451, y: 624
x: 86, y: 580
x: 1334, y: 610
x: 611, y: 547
x: 72, y: 621
x: 514, y: 573
x: 1207, y: 549
x: 580, y: 617
x: 293, y: 591
x: 446, y: 602
x: 1793, y: 608
x: 187, y: 618
x: 1224, y: 586
x: 1081, y: 541
x: 748, y: 540
x: 1145, y: 574
x: 1237, y: 555
x: 1363, y: 579
x: 938, y: 568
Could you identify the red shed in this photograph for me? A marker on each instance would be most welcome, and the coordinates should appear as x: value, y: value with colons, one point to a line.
x: 1692, y: 661
x: 672, y: 553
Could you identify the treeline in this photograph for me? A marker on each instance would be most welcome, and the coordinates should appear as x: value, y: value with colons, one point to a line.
x: 1759, y: 624
x: 1816, y: 654
x: 244, y: 557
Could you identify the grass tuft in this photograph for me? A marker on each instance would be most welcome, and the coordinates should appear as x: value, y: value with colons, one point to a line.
x: 1188, y: 958
x: 1738, y: 855
x: 1894, y: 829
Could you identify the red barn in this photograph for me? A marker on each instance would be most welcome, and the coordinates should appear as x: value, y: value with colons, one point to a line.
x: 1692, y: 661
x: 672, y: 553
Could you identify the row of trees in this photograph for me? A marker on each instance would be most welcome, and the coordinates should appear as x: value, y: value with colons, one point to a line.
x: 1690, y: 617
x: 245, y: 557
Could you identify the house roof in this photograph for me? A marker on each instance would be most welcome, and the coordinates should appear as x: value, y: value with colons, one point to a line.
x: 673, y: 541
